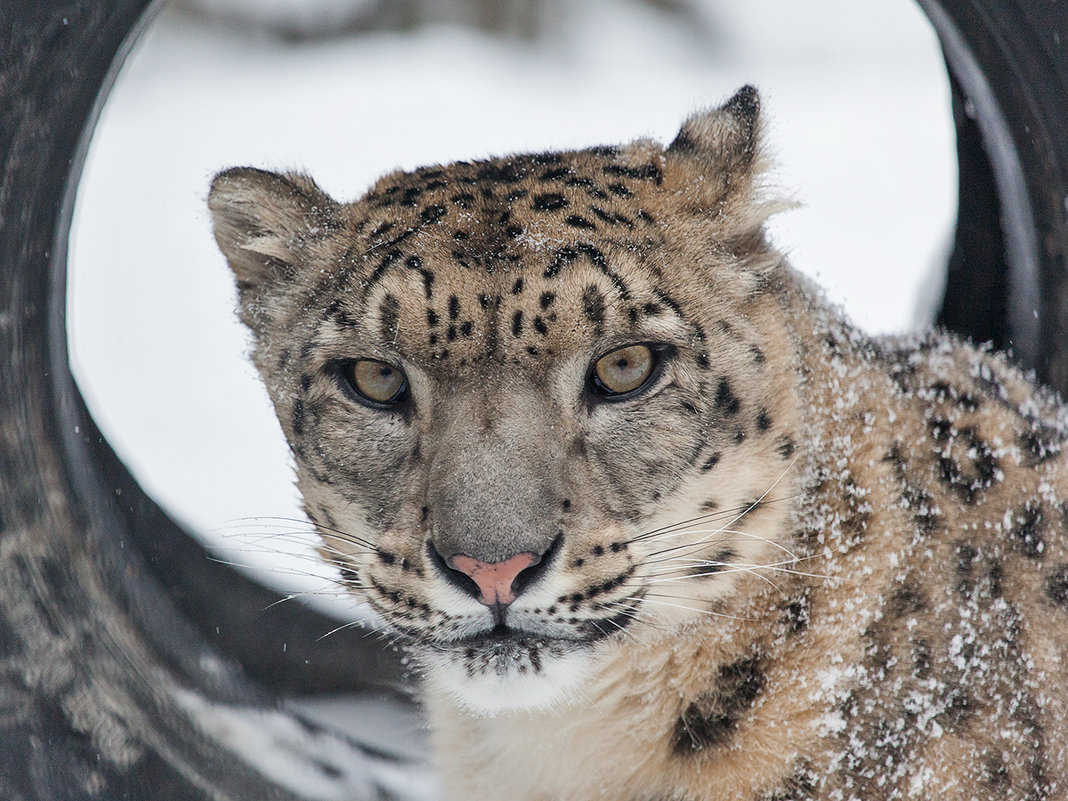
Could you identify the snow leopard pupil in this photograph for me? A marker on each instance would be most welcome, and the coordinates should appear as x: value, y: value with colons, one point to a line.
x: 377, y: 381
x: 623, y: 370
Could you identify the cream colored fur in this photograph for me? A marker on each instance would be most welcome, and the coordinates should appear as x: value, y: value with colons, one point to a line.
x: 799, y: 563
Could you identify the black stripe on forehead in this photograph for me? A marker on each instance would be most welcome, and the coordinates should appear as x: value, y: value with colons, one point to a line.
x: 664, y: 297
x: 389, y: 318
x: 566, y: 256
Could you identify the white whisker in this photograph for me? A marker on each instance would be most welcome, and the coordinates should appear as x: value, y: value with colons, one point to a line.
x: 646, y: 599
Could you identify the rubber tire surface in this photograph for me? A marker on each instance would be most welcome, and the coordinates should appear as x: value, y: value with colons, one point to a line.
x: 1008, y: 62
x: 104, y: 601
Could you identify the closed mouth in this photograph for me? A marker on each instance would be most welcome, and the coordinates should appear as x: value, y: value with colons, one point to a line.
x: 585, y: 633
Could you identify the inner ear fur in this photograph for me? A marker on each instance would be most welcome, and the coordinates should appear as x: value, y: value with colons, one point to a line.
x: 724, y: 140
x: 722, y: 148
x: 263, y: 221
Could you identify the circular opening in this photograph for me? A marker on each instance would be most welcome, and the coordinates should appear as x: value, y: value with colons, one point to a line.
x: 855, y: 95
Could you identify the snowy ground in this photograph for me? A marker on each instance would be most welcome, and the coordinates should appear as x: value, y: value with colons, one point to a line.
x: 860, y: 123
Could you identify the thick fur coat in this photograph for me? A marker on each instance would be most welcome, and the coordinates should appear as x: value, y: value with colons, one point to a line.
x: 655, y: 521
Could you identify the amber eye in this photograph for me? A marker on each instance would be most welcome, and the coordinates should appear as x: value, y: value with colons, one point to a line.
x: 623, y: 372
x: 378, y: 383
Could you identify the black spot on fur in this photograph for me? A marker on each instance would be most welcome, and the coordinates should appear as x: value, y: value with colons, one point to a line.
x: 550, y: 201
x: 540, y: 326
x: 431, y: 214
x: 784, y: 446
x: 578, y: 221
x: 996, y: 775
x: 1026, y: 533
x: 923, y: 508
x: 763, y: 420
x: 713, y: 716
x: 389, y: 318
x: 921, y: 658
x: 555, y: 174
x: 725, y: 398
x: 517, y: 323
x: 589, y: 185
x: 979, y: 576
x: 387, y: 261
x: 517, y: 287
x: 1041, y: 443
x: 710, y: 462
x: 906, y: 599
x: 431, y: 318
x: 508, y: 172
x: 298, y: 417
x: 381, y: 230
x: 717, y: 563
x: 454, y: 307
x: 593, y: 305
x: 1057, y: 586
x: 796, y: 614
x: 466, y: 327
x: 982, y: 472
x: 611, y: 218
x: 647, y: 172
x: 561, y: 259
x: 702, y: 361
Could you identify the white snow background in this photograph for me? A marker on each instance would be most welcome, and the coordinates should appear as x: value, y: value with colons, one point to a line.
x: 858, y: 114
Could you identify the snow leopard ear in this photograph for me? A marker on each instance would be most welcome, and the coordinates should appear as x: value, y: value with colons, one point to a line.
x: 264, y: 223
x: 723, y: 142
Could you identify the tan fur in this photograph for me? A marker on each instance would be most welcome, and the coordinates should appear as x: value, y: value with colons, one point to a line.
x: 827, y: 566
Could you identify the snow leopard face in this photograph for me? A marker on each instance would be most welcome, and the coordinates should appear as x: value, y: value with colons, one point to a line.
x: 538, y: 403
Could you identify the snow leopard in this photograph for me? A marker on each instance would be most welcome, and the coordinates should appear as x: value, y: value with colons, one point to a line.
x: 653, y: 519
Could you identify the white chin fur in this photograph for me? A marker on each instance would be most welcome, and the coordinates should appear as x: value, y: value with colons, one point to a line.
x: 489, y: 692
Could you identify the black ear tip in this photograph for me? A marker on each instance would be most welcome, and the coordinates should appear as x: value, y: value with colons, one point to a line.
x: 745, y: 104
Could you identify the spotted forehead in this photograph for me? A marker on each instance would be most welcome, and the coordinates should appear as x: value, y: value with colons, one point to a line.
x: 489, y: 215
x: 514, y: 314
x: 515, y: 254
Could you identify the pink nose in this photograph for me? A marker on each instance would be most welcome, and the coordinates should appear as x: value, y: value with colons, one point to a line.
x: 494, y: 579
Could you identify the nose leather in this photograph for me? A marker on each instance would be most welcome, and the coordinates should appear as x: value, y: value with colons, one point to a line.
x: 494, y: 579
